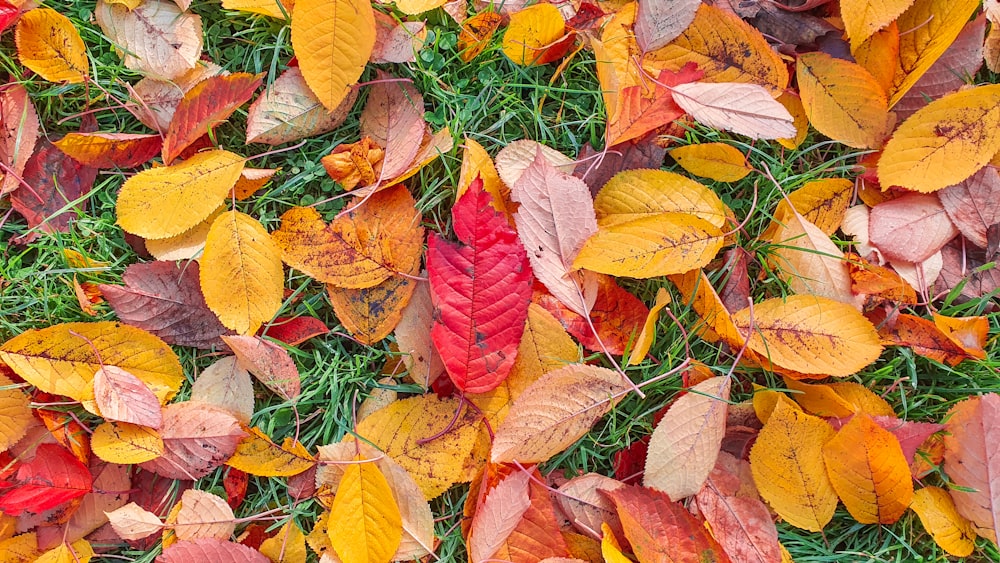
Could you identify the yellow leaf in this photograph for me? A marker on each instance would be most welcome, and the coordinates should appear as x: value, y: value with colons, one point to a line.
x: 121, y: 442
x: 21, y: 548
x: 715, y: 161
x: 804, y: 335
x: 399, y: 428
x: 365, y: 525
x: 167, y: 201
x: 476, y: 163
x: 186, y: 246
x: 819, y: 400
x: 287, y: 546
x: 530, y: 31
x: 280, y: 9
x: 48, y: 44
x: 241, y: 273
x: 861, y: 399
x: 765, y: 401
x: 793, y: 103
x: 319, y: 538
x: 76, y: 552
x: 821, y: 202
x: 944, y: 143
x: 926, y: 30
x: 358, y: 250
x: 843, y: 101
x: 256, y: 454
x: 939, y: 516
x: 787, y: 465
x: 610, y: 548
x: 15, y: 413
x: 658, y: 245
x: 635, y: 194
x: 709, y: 41
x: 62, y: 359
x: 333, y: 40
x: 862, y: 18
x: 414, y: 7
x: 869, y: 472
x: 645, y: 338
x: 879, y: 55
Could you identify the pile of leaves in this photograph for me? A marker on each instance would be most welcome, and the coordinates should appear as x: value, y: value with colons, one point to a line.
x: 507, y: 319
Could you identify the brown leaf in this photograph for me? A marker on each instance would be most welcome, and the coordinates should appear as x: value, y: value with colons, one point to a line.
x: 165, y: 299
x: 197, y: 438
x: 973, y: 268
x: 910, y: 228
x: 587, y: 507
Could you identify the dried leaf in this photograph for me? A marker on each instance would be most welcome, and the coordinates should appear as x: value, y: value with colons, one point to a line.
x: 658, y: 23
x: 397, y: 43
x: 197, y: 438
x: 110, y: 150
x: 288, y: 111
x: 209, y: 103
x: 500, y: 513
x: 121, y: 397
x: 269, y: 363
x: 531, y: 31
x: 203, y: 515
x: 742, y: 524
x: 394, y: 118
x: 910, y: 228
x: 973, y: 205
x: 157, y: 38
x: 971, y: 461
x: 715, y: 161
x: 517, y: 156
x: 53, y: 183
x: 226, y: 384
x: 645, y: 338
x: 133, y: 522
x: 587, y: 507
x: 809, y: 261
x: 746, y: 109
x: 372, y: 313
x: 18, y: 134
x: 413, y: 336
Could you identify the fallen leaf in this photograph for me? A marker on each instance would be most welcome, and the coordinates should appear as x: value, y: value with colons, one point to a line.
x: 746, y: 109
x: 973, y: 205
x: 18, y: 134
x: 394, y: 118
x: 531, y: 31
x: 635, y: 194
x: 641, y: 109
x: 158, y: 99
x: 500, y: 513
x: 517, y: 156
x: 288, y: 111
x: 365, y: 523
x: 413, y: 336
x: 121, y: 397
x: 939, y: 516
x: 715, y: 161
x: 970, y: 461
x: 49, y: 44
x: 741, y: 524
x: 207, y: 104
x: 862, y: 18
x: 132, y: 522
x: 372, y: 313
x: 397, y: 43
x: 268, y: 362
x: 226, y: 384
x: 15, y: 414
x: 157, y: 38
x: 110, y: 150
x: 203, y: 515
x: 206, y: 549
x: 476, y: 32
x: 809, y: 261
x: 910, y: 228
x: 587, y: 507
x: 53, y: 183
x: 332, y: 39
x: 197, y: 438
x: 658, y: 23
x: 256, y: 454
x: 54, y: 476
x: 645, y: 338
x: 121, y: 442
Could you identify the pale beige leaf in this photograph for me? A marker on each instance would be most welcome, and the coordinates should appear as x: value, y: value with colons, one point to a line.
x: 288, y: 111
x: 226, y: 384
x: 809, y: 261
x: 517, y: 156
x: 413, y: 336
x: 203, y: 515
x: 555, y: 411
x: 157, y: 100
x: 133, y: 522
x: 500, y: 513
x: 658, y: 22
x: 157, y: 38
x: 587, y: 507
x: 746, y: 109
x: 122, y: 397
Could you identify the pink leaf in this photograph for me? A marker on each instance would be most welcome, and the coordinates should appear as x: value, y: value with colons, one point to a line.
x: 972, y: 461
x: 197, y: 438
x: 555, y: 218
x: 481, y: 291
x: 910, y: 228
x: 18, y: 131
x: 394, y: 118
x: 500, y: 513
x: 974, y: 205
x: 122, y: 397
x: 268, y: 362
x: 216, y: 551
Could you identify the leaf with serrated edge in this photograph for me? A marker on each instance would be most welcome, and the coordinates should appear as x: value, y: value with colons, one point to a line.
x: 197, y: 438
x: 394, y: 118
x: 555, y: 411
x: 49, y: 44
x: 862, y: 18
x: 684, y: 445
x: 715, y: 161
x: 15, y: 414
x: 910, y: 228
x: 121, y: 442
x: 203, y: 515
x: 226, y: 384
x: 133, y: 522
x: 157, y: 38
x: 166, y: 201
x: 288, y: 111
x: 121, y: 397
x: 270, y: 363
x: 365, y: 523
x: 657, y: 22
x: 746, y: 109
x: 499, y: 514
x: 256, y: 454
x: 634, y: 194
x: 209, y: 103
x: 939, y: 516
x: 332, y: 40
x: 787, y: 465
x: 810, y: 262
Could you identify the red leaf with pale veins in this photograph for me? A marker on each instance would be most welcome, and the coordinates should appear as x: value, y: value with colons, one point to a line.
x: 743, y: 525
x: 269, y: 363
x: 974, y: 205
x: 641, y: 111
x: 295, y: 330
x: 55, y: 180
x: 910, y: 228
x: 110, y: 150
x: 617, y: 316
x: 165, y: 298
x: 197, y: 438
x: 663, y: 531
x: 52, y: 477
x: 203, y: 107
x: 216, y: 551
x: 481, y: 291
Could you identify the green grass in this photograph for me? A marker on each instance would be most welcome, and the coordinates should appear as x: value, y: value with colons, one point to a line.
x: 493, y: 102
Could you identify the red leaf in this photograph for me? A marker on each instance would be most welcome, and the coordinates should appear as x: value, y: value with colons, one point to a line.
x: 660, y: 530
x: 55, y: 180
x: 165, y: 299
x: 110, y: 150
x: 294, y: 330
x: 216, y: 551
x: 630, y: 462
x: 235, y: 485
x: 206, y: 105
x: 480, y: 291
x: 52, y: 477
x: 8, y: 12
x: 617, y: 317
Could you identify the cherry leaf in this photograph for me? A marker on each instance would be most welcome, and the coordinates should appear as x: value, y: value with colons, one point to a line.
x: 746, y: 109
x: 52, y: 477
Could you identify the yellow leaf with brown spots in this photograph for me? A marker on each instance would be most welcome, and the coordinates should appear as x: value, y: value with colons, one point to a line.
x: 121, y: 442
x: 49, y: 44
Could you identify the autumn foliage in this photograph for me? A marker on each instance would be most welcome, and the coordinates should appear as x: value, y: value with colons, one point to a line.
x: 511, y: 314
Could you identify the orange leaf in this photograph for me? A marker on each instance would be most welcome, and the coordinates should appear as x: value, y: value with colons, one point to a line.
x: 203, y: 107
x: 476, y: 33
x: 49, y: 44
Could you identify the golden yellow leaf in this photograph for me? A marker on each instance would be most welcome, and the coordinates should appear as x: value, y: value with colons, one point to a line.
x: 365, y: 524
x: 610, y: 548
x: 358, y: 250
x: 280, y: 9
x: 804, y: 335
x: 319, y: 538
x: 187, y: 245
x: 256, y: 454
x: 926, y: 30
x: 862, y: 18
x: 530, y: 31
x: 332, y: 40
x: 765, y: 400
x: 287, y: 546
x: 15, y: 413
x: 476, y: 163
x: 869, y: 472
x: 635, y: 194
x: 939, y: 516
x: 414, y: 7
x: 944, y: 143
x: 787, y: 465
x: 843, y: 101
x: 821, y: 202
x: 76, y: 552
x: 21, y: 548
x: 697, y: 292
x: 370, y: 314
x: 121, y: 442
x: 399, y: 428
x: 715, y: 161
x: 879, y: 55
x: 49, y: 44
x: 657, y: 245
x: 709, y: 41
x: 793, y: 103
x: 241, y: 273
x: 861, y: 399
x: 62, y: 359
x: 818, y: 399
x: 645, y: 338
x: 167, y: 201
